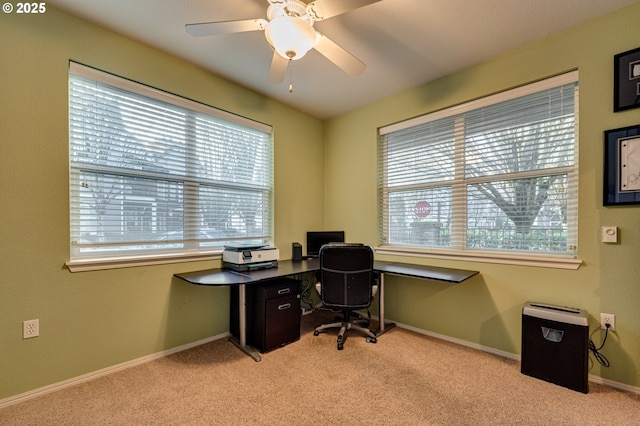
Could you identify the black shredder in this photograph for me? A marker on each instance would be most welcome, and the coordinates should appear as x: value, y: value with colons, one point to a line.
x: 555, y: 344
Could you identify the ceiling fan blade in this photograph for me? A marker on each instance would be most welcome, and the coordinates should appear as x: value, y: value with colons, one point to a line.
x: 225, y: 27
x: 278, y: 69
x: 336, y: 54
x: 323, y: 9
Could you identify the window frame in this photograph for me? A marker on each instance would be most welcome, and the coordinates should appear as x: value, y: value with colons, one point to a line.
x: 564, y: 261
x: 188, y: 247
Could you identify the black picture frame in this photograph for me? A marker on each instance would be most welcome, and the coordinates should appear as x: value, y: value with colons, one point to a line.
x: 626, y: 85
x: 621, y: 158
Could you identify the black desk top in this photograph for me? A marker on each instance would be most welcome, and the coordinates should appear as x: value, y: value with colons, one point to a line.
x: 424, y: 272
x: 285, y: 268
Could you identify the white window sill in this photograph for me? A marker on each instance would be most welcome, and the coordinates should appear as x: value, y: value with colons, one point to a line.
x: 81, y: 265
x: 485, y: 257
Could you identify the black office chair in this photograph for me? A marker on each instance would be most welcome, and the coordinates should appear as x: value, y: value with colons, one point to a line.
x: 346, y: 283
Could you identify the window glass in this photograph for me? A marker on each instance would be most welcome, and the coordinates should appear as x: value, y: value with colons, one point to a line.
x: 154, y: 173
x: 497, y: 174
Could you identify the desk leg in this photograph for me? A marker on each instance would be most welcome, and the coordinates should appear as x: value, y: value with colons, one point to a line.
x: 384, y: 326
x: 242, y: 344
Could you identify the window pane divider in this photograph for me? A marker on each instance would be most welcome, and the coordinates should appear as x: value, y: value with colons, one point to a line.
x: 419, y: 186
x: 519, y: 175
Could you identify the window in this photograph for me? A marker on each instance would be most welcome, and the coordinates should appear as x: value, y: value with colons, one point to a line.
x: 497, y: 175
x: 156, y: 175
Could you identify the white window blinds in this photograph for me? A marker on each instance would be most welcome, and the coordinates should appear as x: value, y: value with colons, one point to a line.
x: 155, y: 174
x: 497, y: 174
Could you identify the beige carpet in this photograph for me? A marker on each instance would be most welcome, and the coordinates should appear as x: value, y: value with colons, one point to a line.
x: 404, y: 379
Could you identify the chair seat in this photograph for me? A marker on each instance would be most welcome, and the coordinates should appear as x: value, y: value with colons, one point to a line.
x: 374, y: 289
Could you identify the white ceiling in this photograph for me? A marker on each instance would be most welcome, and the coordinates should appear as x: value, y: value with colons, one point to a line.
x: 404, y: 43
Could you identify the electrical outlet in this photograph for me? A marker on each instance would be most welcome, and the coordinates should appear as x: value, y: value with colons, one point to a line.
x: 30, y: 329
x: 608, y: 319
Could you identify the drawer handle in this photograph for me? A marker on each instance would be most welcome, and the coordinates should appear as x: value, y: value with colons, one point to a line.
x: 285, y: 306
x: 284, y: 290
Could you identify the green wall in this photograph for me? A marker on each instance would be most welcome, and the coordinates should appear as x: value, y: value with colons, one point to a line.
x: 94, y: 320
x: 487, y: 309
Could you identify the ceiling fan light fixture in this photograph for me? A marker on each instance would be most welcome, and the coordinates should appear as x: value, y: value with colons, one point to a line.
x: 291, y: 36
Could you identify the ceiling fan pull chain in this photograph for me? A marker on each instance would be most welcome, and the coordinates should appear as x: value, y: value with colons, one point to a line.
x: 290, y: 66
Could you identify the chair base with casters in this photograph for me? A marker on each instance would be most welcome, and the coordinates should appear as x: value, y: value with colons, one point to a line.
x: 346, y: 285
x: 350, y: 319
x: 345, y: 325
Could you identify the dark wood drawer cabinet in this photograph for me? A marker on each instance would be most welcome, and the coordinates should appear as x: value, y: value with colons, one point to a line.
x: 273, y: 313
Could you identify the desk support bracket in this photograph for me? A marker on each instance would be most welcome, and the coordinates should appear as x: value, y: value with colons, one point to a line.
x: 242, y: 342
x: 383, y: 327
x: 246, y: 349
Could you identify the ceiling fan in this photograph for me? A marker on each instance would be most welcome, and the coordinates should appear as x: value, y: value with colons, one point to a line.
x: 289, y: 31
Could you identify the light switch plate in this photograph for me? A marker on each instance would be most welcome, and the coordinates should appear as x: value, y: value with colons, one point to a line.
x: 609, y: 234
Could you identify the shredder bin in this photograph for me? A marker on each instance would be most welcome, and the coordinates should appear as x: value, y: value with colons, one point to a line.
x: 555, y: 344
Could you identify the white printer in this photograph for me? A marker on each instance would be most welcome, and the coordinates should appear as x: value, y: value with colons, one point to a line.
x: 249, y: 256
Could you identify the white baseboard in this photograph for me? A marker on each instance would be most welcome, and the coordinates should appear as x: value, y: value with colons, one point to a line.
x: 461, y: 342
x: 614, y: 384
x: 138, y: 361
x: 103, y: 372
x: 504, y: 354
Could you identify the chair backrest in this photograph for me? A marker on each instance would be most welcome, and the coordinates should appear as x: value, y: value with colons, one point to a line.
x: 346, y: 275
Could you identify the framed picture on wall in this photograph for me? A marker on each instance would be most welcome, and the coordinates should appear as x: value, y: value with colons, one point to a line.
x: 626, y: 72
x: 622, y: 166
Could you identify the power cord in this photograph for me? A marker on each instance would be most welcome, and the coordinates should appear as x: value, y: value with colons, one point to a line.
x: 306, y: 298
x: 596, y: 351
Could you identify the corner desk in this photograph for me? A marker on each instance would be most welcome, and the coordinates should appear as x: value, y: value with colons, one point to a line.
x: 221, y: 277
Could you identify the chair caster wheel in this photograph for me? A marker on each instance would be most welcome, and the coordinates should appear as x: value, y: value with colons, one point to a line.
x: 372, y: 340
x: 316, y: 333
x: 340, y: 346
